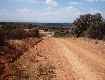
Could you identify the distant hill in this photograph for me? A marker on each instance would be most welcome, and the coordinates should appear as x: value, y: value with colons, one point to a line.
x: 53, y: 24
x: 37, y: 24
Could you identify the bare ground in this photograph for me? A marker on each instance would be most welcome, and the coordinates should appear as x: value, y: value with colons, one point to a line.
x: 87, y: 58
x: 61, y: 59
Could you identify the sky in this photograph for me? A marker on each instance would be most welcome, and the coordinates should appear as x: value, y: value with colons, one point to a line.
x: 48, y: 11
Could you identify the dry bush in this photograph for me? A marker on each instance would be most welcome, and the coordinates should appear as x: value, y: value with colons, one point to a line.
x: 11, y: 52
x: 35, y: 33
x: 12, y: 46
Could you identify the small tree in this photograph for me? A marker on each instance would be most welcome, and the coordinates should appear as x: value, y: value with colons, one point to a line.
x: 88, y: 24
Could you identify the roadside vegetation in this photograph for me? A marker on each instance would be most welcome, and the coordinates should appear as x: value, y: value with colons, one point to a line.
x: 13, y: 44
x: 88, y: 25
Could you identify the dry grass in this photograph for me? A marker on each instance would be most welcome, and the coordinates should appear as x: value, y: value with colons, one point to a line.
x: 12, y: 51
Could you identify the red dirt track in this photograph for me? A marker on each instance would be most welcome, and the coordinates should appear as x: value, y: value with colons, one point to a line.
x: 63, y: 59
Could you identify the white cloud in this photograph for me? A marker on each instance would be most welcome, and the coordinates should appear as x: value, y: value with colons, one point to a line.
x: 24, y: 12
x: 51, y: 3
x: 3, y: 12
x: 65, y: 14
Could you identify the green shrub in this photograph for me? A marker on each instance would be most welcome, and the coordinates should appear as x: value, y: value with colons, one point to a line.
x: 59, y: 34
x: 92, y: 26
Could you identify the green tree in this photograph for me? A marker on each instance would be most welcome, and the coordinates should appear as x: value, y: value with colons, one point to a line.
x: 88, y: 24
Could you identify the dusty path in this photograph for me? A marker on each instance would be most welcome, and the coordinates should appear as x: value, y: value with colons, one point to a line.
x: 72, y: 59
x: 86, y: 64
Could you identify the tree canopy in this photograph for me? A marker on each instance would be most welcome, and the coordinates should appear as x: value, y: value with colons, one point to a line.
x: 89, y: 25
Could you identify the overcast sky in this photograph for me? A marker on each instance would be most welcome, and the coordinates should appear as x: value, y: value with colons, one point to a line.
x: 48, y: 10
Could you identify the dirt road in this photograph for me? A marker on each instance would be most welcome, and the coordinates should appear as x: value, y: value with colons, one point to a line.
x: 86, y: 62
x: 73, y: 59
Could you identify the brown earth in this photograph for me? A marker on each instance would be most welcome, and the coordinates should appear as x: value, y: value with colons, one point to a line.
x: 61, y: 59
x: 86, y: 58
